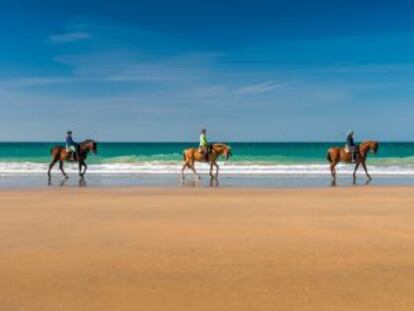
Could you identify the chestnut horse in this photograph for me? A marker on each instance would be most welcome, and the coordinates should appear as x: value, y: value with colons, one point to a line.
x: 192, y: 155
x: 59, y: 154
x: 336, y: 155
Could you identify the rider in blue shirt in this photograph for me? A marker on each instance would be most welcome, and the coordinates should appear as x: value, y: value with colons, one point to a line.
x: 71, y: 146
x: 351, y: 144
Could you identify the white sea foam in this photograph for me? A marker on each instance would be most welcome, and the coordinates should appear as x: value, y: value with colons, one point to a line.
x: 229, y: 168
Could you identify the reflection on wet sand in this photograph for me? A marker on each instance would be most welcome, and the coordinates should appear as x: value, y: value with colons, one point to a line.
x: 66, y: 182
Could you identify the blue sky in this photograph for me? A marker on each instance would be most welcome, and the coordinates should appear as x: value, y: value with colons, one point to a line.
x: 245, y: 70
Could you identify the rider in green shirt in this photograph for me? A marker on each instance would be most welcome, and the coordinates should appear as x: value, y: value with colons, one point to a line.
x: 204, y: 144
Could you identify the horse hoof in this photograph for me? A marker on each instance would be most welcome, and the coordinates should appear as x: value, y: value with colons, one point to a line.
x: 66, y: 177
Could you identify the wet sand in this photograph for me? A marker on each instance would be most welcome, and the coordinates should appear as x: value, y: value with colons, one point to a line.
x: 207, y: 249
x: 174, y: 181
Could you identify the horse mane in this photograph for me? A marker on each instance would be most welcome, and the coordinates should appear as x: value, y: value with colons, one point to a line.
x: 220, y: 145
x: 371, y: 143
x: 87, y: 141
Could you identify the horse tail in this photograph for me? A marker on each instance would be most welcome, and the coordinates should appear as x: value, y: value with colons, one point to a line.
x: 328, y: 156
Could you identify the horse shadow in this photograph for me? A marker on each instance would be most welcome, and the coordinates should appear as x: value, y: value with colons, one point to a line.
x: 196, y: 183
x: 190, y: 183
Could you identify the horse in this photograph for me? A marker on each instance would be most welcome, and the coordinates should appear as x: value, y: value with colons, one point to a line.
x: 192, y: 155
x: 336, y: 155
x: 60, y: 154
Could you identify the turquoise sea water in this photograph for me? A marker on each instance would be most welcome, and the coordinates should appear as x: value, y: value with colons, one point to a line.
x: 249, y: 158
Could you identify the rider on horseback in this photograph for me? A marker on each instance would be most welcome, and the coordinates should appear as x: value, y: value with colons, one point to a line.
x: 351, y: 145
x: 71, y: 146
x: 204, y: 144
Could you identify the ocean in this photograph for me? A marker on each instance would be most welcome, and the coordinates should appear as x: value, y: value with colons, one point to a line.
x: 249, y: 158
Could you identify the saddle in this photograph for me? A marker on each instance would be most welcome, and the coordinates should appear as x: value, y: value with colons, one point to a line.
x: 72, y: 156
x: 354, y: 151
x: 207, y: 154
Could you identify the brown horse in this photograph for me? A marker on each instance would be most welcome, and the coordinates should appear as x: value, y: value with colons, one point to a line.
x: 60, y: 154
x: 336, y: 155
x: 192, y: 155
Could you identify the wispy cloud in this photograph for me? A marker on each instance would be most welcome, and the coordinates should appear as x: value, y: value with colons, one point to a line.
x: 70, y: 37
x: 261, y: 87
x: 24, y: 82
x: 123, y: 67
x: 29, y: 82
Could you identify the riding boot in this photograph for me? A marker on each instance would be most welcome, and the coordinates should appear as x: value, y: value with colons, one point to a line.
x: 77, y: 153
x: 208, y: 153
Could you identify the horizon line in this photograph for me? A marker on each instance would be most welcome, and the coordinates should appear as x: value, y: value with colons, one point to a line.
x: 195, y: 141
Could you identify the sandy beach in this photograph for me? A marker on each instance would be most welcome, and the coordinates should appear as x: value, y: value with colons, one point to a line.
x: 207, y: 249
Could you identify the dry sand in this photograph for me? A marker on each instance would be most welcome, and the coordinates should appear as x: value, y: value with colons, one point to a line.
x: 207, y: 249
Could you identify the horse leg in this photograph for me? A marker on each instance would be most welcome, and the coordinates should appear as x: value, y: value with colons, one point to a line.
x: 366, y: 171
x: 86, y: 167
x: 50, y: 167
x: 355, y: 170
x: 333, y: 170
x: 185, y: 165
x: 217, y: 170
x: 82, y: 163
x: 211, y: 171
x: 194, y: 171
x: 61, y: 169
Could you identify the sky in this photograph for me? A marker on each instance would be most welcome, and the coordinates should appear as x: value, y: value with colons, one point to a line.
x: 245, y: 70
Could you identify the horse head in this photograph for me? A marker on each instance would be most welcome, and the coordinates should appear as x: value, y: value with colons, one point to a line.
x: 89, y: 146
x: 369, y: 146
x: 228, y: 153
x: 373, y: 146
x: 224, y: 150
